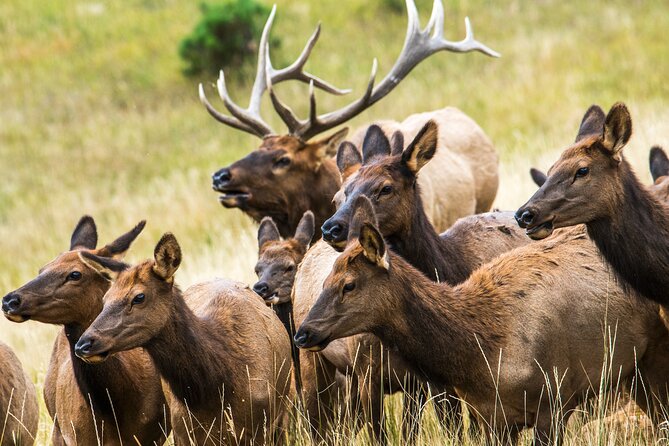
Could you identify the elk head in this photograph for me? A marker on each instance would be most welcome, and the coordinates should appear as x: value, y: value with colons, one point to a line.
x: 387, y: 178
x: 278, y: 259
x: 581, y: 185
x: 354, y: 291
x: 68, y: 289
x: 136, y: 307
x: 283, y: 168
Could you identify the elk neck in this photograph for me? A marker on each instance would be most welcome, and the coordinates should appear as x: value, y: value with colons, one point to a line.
x: 194, y: 356
x: 634, y: 237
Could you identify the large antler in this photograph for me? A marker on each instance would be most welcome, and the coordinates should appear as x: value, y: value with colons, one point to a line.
x: 249, y: 119
x: 418, y: 45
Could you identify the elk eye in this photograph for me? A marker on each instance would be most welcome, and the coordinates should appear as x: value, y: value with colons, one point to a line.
x: 580, y: 173
x: 386, y: 190
x: 284, y: 161
x: 74, y: 276
x: 349, y: 287
x: 138, y: 299
x: 290, y: 268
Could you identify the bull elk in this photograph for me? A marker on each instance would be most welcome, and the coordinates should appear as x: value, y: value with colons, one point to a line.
x: 19, y: 412
x: 115, y: 402
x: 592, y: 183
x: 499, y: 338
x: 292, y: 173
x: 222, y: 353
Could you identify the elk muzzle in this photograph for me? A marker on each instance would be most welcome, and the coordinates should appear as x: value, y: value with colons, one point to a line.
x: 310, y: 340
x: 11, y: 305
x: 89, y: 350
x: 262, y: 289
x: 335, y: 233
x: 231, y: 195
x: 536, y: 228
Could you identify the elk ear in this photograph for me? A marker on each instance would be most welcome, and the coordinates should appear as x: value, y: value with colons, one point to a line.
x: 305, y: 229
x: 106, y: 267
x: 373, y: 245
x: 267, y: 232
x: 375, y: 144
x: 397, y: 143
x: 422, y: 148
x: 348, y: 159
x: 363, y: 212
x: 327, y: 147
x: 538, y: 176
x: 617, y: 130
x: 85, y: 235
x: 659, y: 163
x: 120, y: 246
x: 592, y: 123
x: 167, y: 256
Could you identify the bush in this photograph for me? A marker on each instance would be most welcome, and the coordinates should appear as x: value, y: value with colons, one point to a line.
x: 227, y: 34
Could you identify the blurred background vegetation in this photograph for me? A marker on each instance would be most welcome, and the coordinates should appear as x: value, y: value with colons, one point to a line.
x: 97, y: 117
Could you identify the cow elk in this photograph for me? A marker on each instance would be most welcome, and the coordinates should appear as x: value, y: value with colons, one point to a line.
x: 499, y: 338
x: 592, y: 183
x: 222, y: 353
x: 292, y: 173
x: 19, y: 412
x: 90, y: 403
x: 277, y: 263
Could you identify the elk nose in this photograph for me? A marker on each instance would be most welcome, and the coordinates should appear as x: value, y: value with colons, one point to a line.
x: 301, y: 338
x: 333, y: 231
x: 83, y: 347
x: 11, y: 302
x: 524, y: 217
x: 221, y: 177
x: 261, y: 288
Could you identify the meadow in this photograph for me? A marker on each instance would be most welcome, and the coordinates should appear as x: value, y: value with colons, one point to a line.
x: 96, y: 118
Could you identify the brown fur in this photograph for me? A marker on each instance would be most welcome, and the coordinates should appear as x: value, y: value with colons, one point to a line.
x: 19, y: 412
x: 77, y: 393
x: 543, y: 307
x: 310, y: 179
x: 592, y: 183
x: 222, y: 353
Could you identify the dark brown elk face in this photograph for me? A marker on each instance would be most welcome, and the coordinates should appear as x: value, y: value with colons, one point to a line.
x: 387, y: 177
x: 581, y: 185
x: 67, y: 289
x: 278, y: 259
x: 353, y: 292
x: 269, y: 180
x: 137, y: 306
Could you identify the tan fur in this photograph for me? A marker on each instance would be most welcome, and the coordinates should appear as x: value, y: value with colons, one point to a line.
x: 544, y: 307
x: 19, y: 412
x: 462, y: 178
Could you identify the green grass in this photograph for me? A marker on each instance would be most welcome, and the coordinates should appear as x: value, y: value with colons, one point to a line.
x: 96, y: 117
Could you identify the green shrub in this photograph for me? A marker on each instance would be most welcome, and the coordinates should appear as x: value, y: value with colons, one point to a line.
x: 227, y: 34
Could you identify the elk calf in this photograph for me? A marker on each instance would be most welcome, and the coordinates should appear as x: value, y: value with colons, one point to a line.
x: 19, y: 412
x: 499, y: 337
x: 118, y: 402
x: 222, y: 353
x: 592, y: 183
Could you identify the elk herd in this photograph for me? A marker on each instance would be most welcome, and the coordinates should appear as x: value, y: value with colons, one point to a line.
x: 381, y: 269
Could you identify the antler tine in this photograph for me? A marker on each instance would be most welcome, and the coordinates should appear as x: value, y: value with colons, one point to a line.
x: 284, y: 112
x: 251, y: 119
x: 418, y: 45
x: 227, y: 120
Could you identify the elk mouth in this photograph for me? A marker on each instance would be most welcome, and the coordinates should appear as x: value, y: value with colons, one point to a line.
x: 313, y: 343
x: 16, y: 317
x: 272, y: 299
x: 541, y: 230
x: 232, y: 198
x: 94, y: 359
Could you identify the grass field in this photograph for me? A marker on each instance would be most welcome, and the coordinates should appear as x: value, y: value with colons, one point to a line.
x: 96, y: 117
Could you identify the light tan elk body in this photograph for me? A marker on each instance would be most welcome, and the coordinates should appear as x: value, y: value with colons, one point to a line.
x: 525, y: 332
x: 290, y: 174
x: 111, y: 403
x: 222, y: 353
x: 19, y: 412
